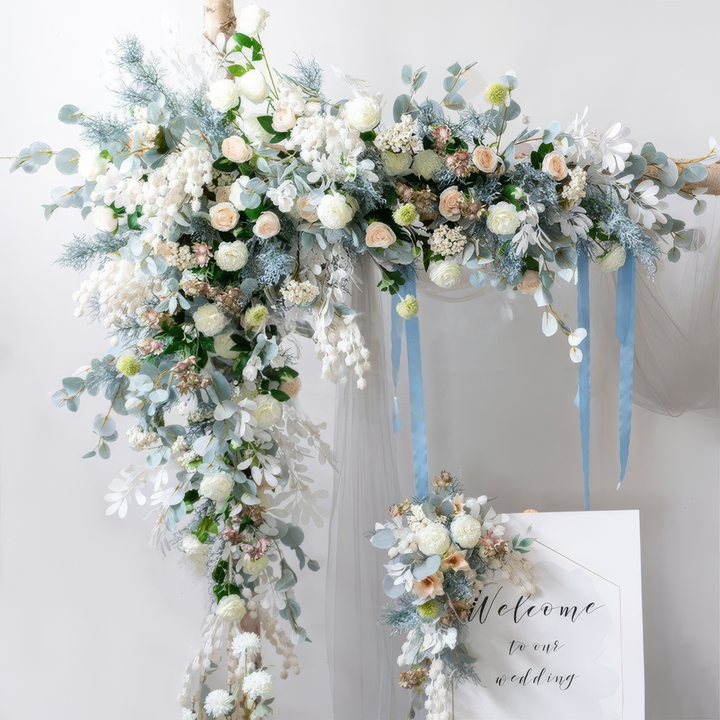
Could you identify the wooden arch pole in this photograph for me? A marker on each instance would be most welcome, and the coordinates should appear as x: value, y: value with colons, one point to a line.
x: 219, y: 18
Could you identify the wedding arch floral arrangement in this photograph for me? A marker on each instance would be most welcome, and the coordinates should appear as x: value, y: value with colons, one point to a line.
x: 230, y: 210
x: 443, y: 547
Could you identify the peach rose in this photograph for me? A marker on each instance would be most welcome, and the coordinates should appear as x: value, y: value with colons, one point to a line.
x: 450, y: 200
x: 530, y: 282
x: 554, y: 165
x: 379, y: 235
x: 222, y: 194
x: 283, y: 120
x: 306, y: 209
x: 236, y: 149
x: 429, y: 587
x: 224, y: 216
x: 485, y: 159
x: 267, y: 225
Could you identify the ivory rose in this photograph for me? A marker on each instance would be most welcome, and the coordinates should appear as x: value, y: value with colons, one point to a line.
x: 252, y: 86
x: 466, y: 531
x: 222, y: 194
x: 251, y: 19
x: 613, y: 261
x: 291, y: 387
x: 445, y: 274
x: 363, y: 113
x: 503, y: 219
x: 433, y: 539
x: 236, y: 149
x: 231, y: 256
x: 306, y: 209
x: 223, y: 95
x: 485, y: 159
x: 450, y: 200
x: 104, y: 218
x: 530, y: 282
x: 268, y: 412
x: 379, y: 235
x: 554, y: 165
x: 231, y: 608
x: 216, y: 487
x: 334, y: 212
x: 283, y: 119
x: 267, y: 225
x: 224, y: 216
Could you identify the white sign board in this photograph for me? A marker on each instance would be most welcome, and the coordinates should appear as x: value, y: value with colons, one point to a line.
x: 573, y: 650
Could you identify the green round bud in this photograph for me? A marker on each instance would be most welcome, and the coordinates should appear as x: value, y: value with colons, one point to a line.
x: 408, y: 307
x: 128, y: 365
x: 428, y: 610
x: 496, y: 93
x: 256, y: 316
x: 405, y: 214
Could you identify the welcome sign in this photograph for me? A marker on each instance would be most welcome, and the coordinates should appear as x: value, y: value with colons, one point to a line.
x: 573, y: 649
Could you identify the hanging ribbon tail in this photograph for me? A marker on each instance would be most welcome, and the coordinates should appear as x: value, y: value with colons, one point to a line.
x: 583, y: 397
x: 417, y: 399
x: 395, y: 353
x: 625, y: 332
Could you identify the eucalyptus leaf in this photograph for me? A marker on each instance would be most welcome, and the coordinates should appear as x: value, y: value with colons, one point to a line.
x: 406, y: 74
x: 673, y: 255
x: 384, y: 539
x: 400, y: 107
x: 427, y: 568
x: 694, y: 173
x: 103, y: 426
x: 66, y: 161
x: 391, y: 589
x: 69, y: 114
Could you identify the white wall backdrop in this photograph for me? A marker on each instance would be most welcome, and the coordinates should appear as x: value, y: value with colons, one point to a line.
x: 92, y: 622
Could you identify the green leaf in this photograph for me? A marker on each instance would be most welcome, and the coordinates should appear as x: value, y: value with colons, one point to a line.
x: 66, y: 161
x: 287, y: 581
x: 236, y: 70
x: 400, y: 106
x: 406, y: 74
x: 694, y: 173
x: 265, y: 122
x: 455, y: 69
x: 69, y: 114
x: 279, y: 395
x: 224, y: 165
x: 92, y: 453
x: 133, y: 219
x: 673, y: 255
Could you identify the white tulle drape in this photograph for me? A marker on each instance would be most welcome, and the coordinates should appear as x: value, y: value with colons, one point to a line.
x: 362, y: 658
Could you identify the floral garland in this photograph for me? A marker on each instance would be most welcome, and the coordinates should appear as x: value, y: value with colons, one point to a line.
x: 444, y: 548
x: 222, y: 233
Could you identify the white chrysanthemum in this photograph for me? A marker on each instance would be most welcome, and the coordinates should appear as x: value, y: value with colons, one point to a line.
x: 258, y: 684
x: 299, y: 293
x: 231, y: 256
x: 217, y: 487
x: 447, y: 241
x: 210, y: 320
x: 466, y: 531
x: 139, y: 439
x: 231, y: 608
x: 433, y: 539
x: 188, y: 714
x: 246, y: 644
x: 219, y: 703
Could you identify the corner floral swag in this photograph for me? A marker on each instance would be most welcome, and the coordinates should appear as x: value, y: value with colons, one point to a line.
x: 230, y: 210
x: 444, y: 548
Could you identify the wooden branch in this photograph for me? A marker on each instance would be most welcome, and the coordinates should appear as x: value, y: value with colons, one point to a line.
x: 711, y: 182
x: 219, y: 18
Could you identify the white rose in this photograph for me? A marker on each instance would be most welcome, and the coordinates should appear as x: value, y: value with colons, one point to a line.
x: 236, y: 149
x: 503, y: 219
x: 252, y: 86
x: 217, y: 487
x: 231, y: 608
x: 224, y: 216
x: 268, y: 411
x: 283, y: 119
x: 104, y: 218
x: 91, y: 165
x: 224, y: 346
x: 209, y: 320
x: 193, y: 548
x: 334, y: 212
x: 445, y: 274
x: 466, y: 531
x: 363, y: 113
x: 251, y: 19
x: 223, y: 95
x: 231, y: 256
x: 613, y: 261
x: 433, y: 539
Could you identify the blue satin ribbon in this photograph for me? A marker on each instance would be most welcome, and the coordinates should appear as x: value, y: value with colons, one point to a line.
x: 583, y: 399
x: 417, y: 399
x: 625, y: 332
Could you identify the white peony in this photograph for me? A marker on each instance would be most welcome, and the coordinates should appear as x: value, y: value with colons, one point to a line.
x: 283, y: 119
x: 91, y: 165
x: 334, y: 212
x: 209, y: 320
x: 104, y: 218
x: 231, y: 256
x: 231, y: 608
x: 268, y: 411
x: 251, y: 19
x: 504, y: 219
x: 258, y: 684
x: 445, y: 274
x: 224, y: 346
x: 466, y: 531
x: 223, y: 95
x: 433, y: 539
x: 219, y: 703
x: 363, y: 113
x: 252, y: 86
x: 217, y: 487
x: 613, y: 260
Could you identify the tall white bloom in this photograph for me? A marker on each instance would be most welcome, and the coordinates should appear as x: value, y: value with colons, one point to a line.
x: 218, y: 703
x: 251, y: 19
x: 258, y: 684
x: 223, y: 95
x: 246, y: 644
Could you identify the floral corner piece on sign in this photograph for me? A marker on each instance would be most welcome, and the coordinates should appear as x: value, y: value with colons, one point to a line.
x: 444, y: 548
